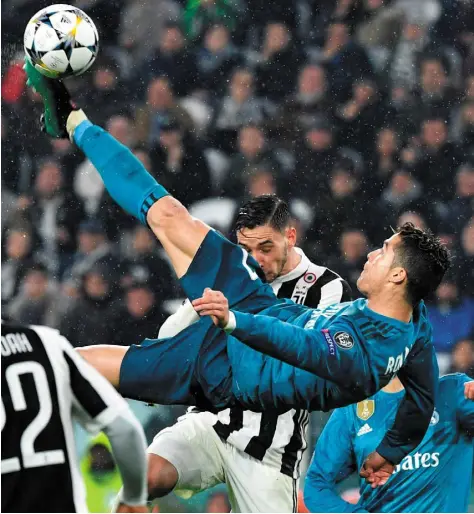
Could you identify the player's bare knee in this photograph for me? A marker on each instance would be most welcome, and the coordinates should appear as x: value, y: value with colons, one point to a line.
x: 167, y: 213
x: 86, y: 353
x: 92, y: 356
x: 107, y: 359
x: 162, y: 476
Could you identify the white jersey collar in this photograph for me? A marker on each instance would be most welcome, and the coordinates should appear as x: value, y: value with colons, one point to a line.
x: 295, y: 273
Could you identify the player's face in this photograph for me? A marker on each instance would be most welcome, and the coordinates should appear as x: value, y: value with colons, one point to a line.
x: 268, y: 247
x: 378, y: 267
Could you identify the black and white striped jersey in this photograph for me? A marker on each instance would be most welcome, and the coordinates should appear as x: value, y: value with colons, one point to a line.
x: 279, y: 440
x: 45, y: 385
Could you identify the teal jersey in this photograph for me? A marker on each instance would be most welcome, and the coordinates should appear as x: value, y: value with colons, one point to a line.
x: 345, y: 353
x: 435, y: 477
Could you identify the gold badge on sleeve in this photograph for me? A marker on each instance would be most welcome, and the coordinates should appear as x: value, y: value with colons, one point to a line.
x: 365, y: 409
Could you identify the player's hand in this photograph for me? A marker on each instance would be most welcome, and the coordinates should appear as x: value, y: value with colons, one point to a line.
x: 214, y: 304
x: 469, y: 390
x: 376, y: 470
x: 123, y: 507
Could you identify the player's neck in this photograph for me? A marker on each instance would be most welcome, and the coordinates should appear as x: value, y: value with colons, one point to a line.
x: 294, y: 258
x: 394, y: 386
x: 391, y: 306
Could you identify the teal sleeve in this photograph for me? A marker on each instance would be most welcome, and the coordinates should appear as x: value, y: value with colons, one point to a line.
x: 333, y: 461
x: 419, y: 376
x: 124, y: 176
x: 465, y: 410
x: 312, y: 350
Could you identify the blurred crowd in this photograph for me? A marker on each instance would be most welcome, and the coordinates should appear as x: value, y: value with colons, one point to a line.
x: 359, y: 112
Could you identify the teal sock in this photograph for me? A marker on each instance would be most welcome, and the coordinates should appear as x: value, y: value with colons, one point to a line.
x: 124, y: 176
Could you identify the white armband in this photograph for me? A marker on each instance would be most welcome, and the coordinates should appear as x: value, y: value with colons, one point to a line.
x: 231, y: 324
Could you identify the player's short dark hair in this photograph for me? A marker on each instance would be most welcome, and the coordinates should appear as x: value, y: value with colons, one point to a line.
x: 425, y: 259
x: 264, y: 210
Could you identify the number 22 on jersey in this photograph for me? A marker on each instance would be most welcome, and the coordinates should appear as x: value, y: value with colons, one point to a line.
x: 30, y: 457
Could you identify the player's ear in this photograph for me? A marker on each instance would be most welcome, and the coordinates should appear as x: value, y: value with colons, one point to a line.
x: 398, y: 275
x: 290, y: 234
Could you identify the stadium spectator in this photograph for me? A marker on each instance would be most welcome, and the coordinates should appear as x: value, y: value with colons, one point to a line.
x: 451, y: 314
x: 345, y: 59
x: 435, y: 94
x: 469, y: 87
x: 93, y: 248
x: 318, y: 145
x: 55, y: 213
x: 215, y: 60
x: 349, y: 262
x: 338, y: 208
x: 8, y: 204
x: 181, y: 163
x: 311, y: 98
x: 435, y: 155
x: 151, y: 16
x: 402, y: 193
x: 161, y: 106
x: 107, y: 96
x: 463, y: 356
x: 11, y: 152
x: 26, y: 114
x: 360, y: 116
x: 17, y: 258
x: 172, y: 59
x: 253, y: 152
x: 92, y: 319
x: 455, y: 23
x: 239, y: 107
x: 145, y: 264
x: 199, y: 16
x: 36, y: 302
x: 465, y: 127
x: 400, y: 110
x: 64, y: 152
x: 278, y: 64
x: 414, y: 38
x: 466, y: 258
x: 13, y: 81
x: 383, y: 162
x: 412, y: 217
x: 259, y: 12
x: 460, y: 208
x: 380, y: 26
x: 140, y: 316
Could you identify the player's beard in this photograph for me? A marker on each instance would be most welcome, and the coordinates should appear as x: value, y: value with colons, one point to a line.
x: 283, y: 262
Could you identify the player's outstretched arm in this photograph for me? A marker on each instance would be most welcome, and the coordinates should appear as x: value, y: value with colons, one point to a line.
x: 419, y: 376
x: 311, y: 350
x: 332, y: 462
x: 125, y: 178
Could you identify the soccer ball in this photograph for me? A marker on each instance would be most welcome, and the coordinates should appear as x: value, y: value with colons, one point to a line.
x: 60, y: 41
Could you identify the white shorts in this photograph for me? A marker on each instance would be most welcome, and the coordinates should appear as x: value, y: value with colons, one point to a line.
x: 203, y: 460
